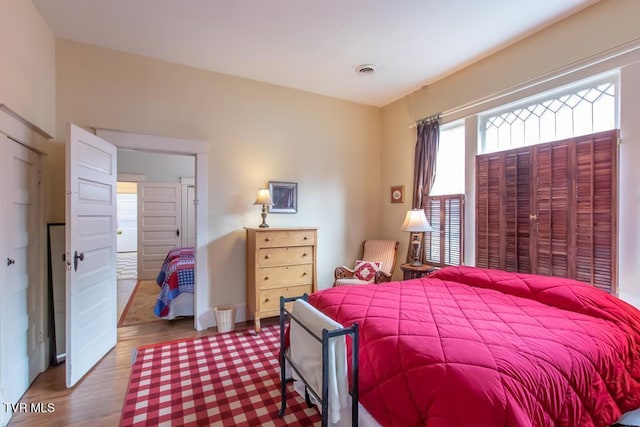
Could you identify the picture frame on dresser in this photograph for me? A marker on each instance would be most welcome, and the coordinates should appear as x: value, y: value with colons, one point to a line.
x: 284, y: 196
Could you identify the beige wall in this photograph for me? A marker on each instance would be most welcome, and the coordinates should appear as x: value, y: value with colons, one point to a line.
x: 256, y: 133
x: 601, y: 27
x: 27, y: 74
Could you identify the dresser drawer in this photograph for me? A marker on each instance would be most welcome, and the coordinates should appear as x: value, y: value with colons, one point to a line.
x: 292, y: 275
x: 273, y: 239
x: 270, y: 299
x: 270, y: 257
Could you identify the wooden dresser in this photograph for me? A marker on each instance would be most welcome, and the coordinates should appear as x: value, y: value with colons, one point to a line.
x: 280, y: 261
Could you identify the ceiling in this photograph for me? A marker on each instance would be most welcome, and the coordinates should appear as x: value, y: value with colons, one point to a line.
x: 311, y: 45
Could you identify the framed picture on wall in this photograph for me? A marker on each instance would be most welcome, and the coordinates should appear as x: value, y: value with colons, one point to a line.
x: 284, y: 196
x: 397, y: 194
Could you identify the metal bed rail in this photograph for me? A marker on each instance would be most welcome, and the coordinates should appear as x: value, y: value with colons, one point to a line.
x: 323, y: 399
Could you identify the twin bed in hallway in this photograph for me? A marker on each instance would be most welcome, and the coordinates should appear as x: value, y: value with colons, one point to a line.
x: 475, y: 347
x: 176, y: 280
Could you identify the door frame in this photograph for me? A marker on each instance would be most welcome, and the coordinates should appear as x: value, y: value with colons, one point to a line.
x: 203, y: 312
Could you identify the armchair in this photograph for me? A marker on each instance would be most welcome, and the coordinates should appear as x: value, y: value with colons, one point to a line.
x: 375, y: 251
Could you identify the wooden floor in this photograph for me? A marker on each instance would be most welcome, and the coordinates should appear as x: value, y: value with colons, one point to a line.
x: 125, y: 290
x: 97, y: 399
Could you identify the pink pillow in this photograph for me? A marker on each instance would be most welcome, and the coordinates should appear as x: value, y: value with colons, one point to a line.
x: 366, y: 270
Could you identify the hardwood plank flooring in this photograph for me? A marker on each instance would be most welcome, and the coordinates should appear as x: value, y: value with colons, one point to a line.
x: 97, y: 399
x: 125, y: 290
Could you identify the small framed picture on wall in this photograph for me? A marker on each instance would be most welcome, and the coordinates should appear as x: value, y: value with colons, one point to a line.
x: 397, y: 194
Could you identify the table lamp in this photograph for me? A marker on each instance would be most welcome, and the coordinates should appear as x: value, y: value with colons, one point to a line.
x: 416, y: 222
x: 264, y: 199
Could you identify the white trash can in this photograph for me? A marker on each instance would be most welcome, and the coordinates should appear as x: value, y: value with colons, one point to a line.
x: 225, y: 317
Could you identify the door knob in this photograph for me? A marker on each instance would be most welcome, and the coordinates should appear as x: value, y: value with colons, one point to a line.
x: 10, y: 261
x: 77, y: 257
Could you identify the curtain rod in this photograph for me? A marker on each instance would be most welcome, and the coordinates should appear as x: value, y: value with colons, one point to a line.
x: 426, y: 120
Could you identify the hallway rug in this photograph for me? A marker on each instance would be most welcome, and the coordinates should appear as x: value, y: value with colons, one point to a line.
x: 227, y: 379
x: 127, y: 265
x: 139, y: 309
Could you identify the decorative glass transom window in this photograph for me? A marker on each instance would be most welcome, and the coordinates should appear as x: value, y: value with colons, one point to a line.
x: 580, y: 110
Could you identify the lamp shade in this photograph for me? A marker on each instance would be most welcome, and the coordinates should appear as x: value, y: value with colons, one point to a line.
x: 263, y: 198
x: 416, y: 221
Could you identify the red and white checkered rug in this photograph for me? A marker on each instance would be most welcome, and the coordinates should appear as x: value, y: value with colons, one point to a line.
x: 229, y: 379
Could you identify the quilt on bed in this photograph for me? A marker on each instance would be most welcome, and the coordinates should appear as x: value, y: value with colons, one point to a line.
x: 475, y: 347
x: 176, y: 276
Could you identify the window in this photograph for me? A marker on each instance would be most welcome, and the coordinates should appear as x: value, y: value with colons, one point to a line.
x: 444, y: 207
x: 582, y: 109
x: 450, y: 163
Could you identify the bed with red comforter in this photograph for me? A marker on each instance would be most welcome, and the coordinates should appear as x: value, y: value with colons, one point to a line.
x: 474, y: 347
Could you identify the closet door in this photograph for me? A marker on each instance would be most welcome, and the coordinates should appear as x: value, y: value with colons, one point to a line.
x: 19, y: 285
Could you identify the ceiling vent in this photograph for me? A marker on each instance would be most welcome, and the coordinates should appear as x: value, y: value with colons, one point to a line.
x: 365, y: 69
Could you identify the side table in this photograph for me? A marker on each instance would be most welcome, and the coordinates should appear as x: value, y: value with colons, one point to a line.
x: 415, y: 272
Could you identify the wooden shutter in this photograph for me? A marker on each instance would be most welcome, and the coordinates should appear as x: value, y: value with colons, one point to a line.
x: 553, y: 194
x: 550, y: 209
x: 489, y: 252
x: 596, y: 210
x: 453, y: 228
x: 445, y: 245
x: 432, y: 241
x: 517, y: 208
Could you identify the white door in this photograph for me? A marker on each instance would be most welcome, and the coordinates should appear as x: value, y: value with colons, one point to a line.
x: 159, y: 225
x: 91, y: 251
x: 20, y: 306
x: 127, y: 222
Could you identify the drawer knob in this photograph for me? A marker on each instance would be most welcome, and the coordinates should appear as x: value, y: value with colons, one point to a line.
x: 304, y: 273
x: 266, y: 257
x: 306, y: 237
x: 266, y: 300
x: 266, y: 277
x: 268, y: 239
x: 304, y: 254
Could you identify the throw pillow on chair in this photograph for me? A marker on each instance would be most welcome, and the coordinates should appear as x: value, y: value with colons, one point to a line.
x: 366, y: 270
